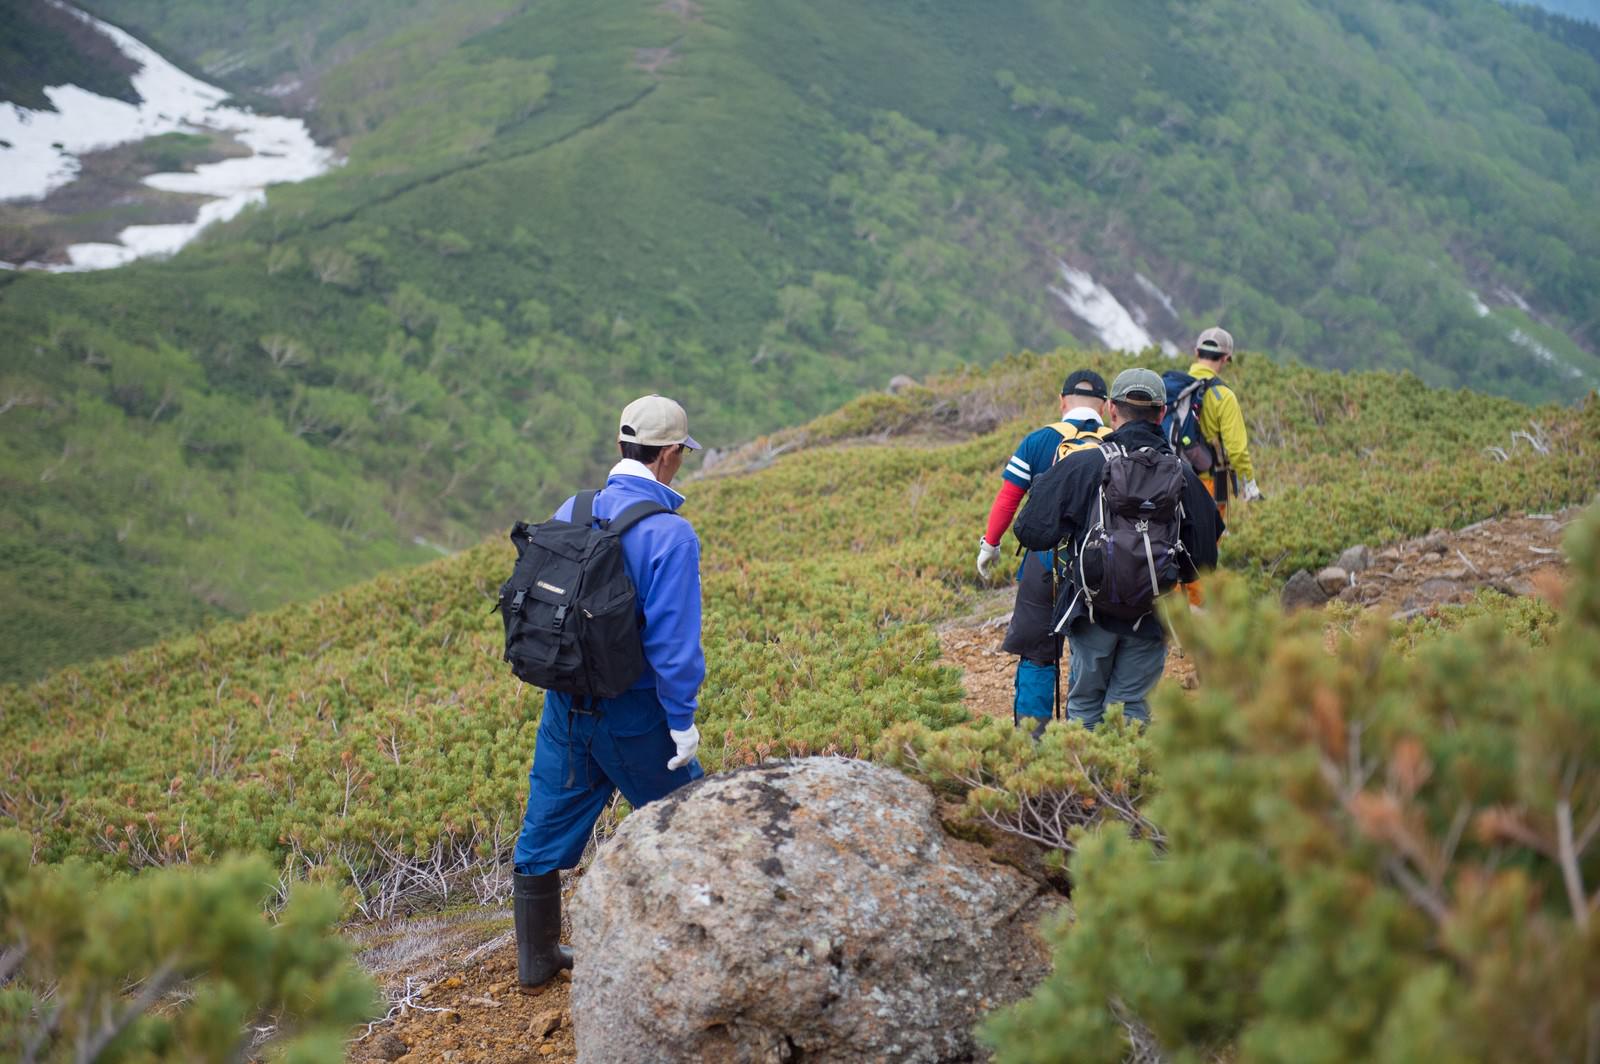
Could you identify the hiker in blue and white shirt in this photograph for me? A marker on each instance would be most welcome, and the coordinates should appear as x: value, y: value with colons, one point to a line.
x: 1029, y: 636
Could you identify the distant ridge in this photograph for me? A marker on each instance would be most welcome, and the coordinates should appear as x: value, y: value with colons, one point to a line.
x: 763, y: 209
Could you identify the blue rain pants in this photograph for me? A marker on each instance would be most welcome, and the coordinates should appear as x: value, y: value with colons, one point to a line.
x: 580, y: 759
x: 1036, y: 688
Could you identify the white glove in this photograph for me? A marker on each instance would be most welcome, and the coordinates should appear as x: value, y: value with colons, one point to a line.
x: 687, y: 742
x: 988, y: 554
x: 1250, y: 493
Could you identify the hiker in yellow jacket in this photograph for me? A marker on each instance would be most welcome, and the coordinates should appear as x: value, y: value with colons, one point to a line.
x: 1221, y: 423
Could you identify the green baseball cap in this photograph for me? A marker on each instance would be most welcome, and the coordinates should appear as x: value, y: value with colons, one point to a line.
x: 1139, y: 387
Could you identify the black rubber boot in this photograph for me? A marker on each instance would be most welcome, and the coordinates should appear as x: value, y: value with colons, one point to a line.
x: 536, y: 909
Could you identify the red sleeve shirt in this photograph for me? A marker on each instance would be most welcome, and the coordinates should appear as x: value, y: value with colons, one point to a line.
x: 1004, y: 509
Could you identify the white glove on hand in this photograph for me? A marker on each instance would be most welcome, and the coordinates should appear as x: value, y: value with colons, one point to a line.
x: 687, y: 742
x: 988, y: 554
x: 1250, y: 493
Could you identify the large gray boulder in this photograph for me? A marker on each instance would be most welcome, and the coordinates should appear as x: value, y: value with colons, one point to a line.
x: 813, y: 909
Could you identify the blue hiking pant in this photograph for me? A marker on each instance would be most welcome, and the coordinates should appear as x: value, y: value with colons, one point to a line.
x: 580, y: 759
x: 1111, y: 667
x: 1031, y: 636
x: 1036, y: 688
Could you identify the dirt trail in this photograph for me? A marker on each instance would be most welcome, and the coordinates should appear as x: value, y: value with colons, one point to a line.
x: 463, y: 1004
x: 457, y: 979
x: 1516, y: 555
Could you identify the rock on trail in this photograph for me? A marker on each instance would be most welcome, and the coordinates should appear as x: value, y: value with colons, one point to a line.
x: 813, y: 909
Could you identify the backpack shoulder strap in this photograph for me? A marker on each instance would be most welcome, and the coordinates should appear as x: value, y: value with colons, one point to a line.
x: 1075, y: 439
x: 1067, y: 429
x: 583, y: 508
x: 1071, y: 433
x: 633, y: 515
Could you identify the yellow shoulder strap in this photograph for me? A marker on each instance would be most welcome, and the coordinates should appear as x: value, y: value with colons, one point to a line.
x: 1075, y: 439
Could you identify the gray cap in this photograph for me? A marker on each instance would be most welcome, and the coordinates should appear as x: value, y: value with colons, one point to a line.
x: 655, y: 421
x: 1214, y: 343
x: 1139, y: 387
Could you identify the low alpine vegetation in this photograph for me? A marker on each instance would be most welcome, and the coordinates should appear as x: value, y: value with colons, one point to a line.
x: 175, y: 965
x: 374, y: 739
x: 1388, y: 853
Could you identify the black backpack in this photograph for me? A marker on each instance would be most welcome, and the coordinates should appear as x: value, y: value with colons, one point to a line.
x: 1132, y: 552
x: 570, y: 610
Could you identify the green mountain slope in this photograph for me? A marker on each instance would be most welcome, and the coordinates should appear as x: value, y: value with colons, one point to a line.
x: 760, y: 209
x: 1587, y: 10
x: 377, y: 726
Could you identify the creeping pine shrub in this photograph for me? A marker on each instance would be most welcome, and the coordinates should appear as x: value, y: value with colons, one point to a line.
x: 1051, y: 792
x: 1388, y: 853
x: 174, y: 965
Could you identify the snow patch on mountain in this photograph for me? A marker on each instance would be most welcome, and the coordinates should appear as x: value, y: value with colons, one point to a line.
x: 41, y: 148
x: 1094, y: 304
x: 1151, y: 289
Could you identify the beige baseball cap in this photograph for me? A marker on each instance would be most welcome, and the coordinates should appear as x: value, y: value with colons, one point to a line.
x: 655, y: 421
x: 1214, y: 343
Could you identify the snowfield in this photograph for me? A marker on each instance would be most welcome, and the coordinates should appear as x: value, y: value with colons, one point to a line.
x: 42, y: 148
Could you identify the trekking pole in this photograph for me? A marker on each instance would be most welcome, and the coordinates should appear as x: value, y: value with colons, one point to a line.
x: 1055, y: 576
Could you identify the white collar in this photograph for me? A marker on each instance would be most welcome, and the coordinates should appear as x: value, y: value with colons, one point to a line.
x: 1083, y: 413
x: 631, y: 467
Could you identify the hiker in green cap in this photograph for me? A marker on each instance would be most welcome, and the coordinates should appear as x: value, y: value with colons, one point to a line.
x: 1133, y: 521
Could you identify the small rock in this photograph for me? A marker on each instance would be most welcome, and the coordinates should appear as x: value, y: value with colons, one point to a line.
x: 1389, y: 555
x: 901, y: 383
x: 1459, y: 572
x: 389, y: 1047
x: 1432, y: 592
x: 545, y: 1024
x: 549, y: 1048
x: 1301, y: 591
x: 1515, y: 586
x: 1357, y: 559
x: 1435, y: 542
x: 1333, y: 580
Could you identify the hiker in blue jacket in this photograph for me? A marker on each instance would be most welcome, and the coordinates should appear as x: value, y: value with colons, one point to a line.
x: 643, y: 742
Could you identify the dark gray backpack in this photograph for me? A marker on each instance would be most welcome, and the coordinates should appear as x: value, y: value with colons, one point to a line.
x: 570, y: 610
x: 1133, y: 552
